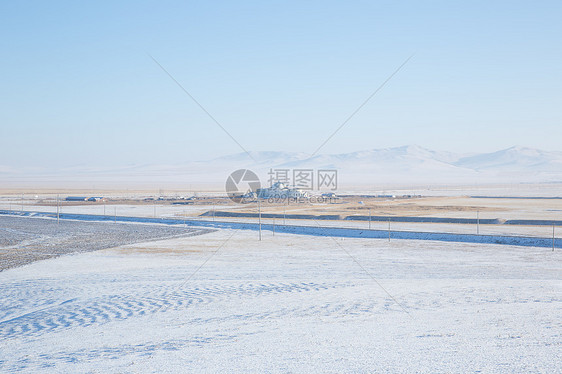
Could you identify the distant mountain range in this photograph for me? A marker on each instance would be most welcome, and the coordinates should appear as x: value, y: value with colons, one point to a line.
x: 415, y: 164
x: 406, y: 165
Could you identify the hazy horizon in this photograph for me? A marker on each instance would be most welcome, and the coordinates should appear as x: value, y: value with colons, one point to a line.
x: 249, y: 153
x: 404, y: 166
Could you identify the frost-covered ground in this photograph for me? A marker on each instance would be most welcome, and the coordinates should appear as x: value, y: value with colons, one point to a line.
x: 24, y: 240
x: 286, y: 304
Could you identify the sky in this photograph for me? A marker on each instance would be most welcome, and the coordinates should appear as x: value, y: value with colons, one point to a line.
x: 78, y: 85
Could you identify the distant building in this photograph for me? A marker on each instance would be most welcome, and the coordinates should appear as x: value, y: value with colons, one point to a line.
x: 84, y: 198
x: 76, y: 198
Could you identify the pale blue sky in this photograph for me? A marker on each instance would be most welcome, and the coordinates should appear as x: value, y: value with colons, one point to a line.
x: 77, y: 86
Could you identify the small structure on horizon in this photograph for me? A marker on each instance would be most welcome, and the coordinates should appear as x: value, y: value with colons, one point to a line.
x: 84, y: 198
x: 76, y: 198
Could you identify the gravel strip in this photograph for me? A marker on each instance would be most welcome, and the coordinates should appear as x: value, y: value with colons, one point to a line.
x: 24, y: 240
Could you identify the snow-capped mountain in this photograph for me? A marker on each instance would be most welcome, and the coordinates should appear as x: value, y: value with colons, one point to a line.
x: 514, y: 158
x: 415, y: 164
x: 406, y: 156
x: 407, y: 164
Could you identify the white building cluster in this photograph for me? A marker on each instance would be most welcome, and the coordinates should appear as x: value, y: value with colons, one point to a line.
x: 279, y: 191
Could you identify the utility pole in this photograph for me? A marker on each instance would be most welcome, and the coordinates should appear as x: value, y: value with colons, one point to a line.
x: 259, y: 218
x: 477, y: 222
x: 389, y: 229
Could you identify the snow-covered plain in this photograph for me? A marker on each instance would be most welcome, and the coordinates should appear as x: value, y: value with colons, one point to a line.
x: 289, y: 303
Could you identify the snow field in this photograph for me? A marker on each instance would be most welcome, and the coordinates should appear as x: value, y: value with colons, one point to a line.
x: 289, y: 303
